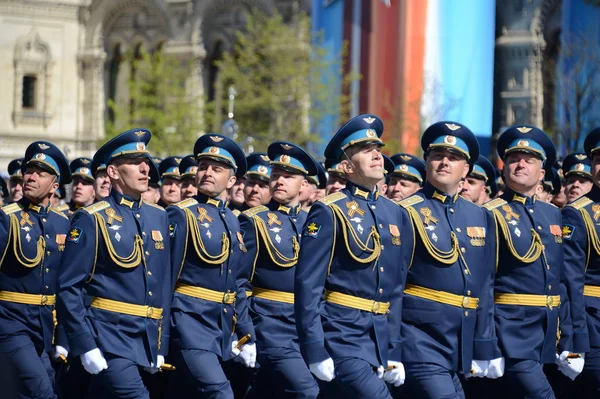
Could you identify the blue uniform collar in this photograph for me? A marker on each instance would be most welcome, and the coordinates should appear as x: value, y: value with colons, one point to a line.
x: 216, y: 202
x: 358, y: 191
x: 433, y: 193
x: 35, y: 208
x: 125, y: 200
x: 288, y: 210
x: 511, y: 196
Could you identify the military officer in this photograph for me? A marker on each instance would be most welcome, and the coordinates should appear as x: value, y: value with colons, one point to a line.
x: 101, y: 181
x: 82, y: 192
x: 476, y: 186
x: 208, y: 304
x: 447, y: 315
x: 235, y: 195
x: 188, y: 168
x: 15, y: 179
x: 577, y: 173
x: 170, y: 181
x: 529, y: 284
x: 317, y: 183
x: 272, y: 236
x: 549, y: 187
x: 407, y: 178
x: 256, y: 187
x: 114, y: 283
x: 32, y: 241
x: 56, y: 199
x: 336, y: 178
x: 4, y: 193
x: 355, y: 253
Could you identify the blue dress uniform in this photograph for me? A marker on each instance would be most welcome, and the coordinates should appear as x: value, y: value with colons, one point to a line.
x: 32, y: 241
x: 272, y: 235
x: 15, y: 175
x: 447, y: 318
x: 169, y: 169
x: 208, y: 305
x: 114, y: 284
x: 578, y: 165
x: 355, y: 253
x: 81, y: 168
x: 409, y: 167
x: 530, y: 281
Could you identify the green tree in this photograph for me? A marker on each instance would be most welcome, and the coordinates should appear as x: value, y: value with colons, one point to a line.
x: 285, y: 79
x: 160, y: 98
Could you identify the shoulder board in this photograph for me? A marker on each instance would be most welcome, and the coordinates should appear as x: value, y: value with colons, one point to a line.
x: 62, y: 208
x: 255, y: 211
x: 59, y: 212
x: 305, y: 210
x: 236, y: 212
x: 186, y: 203
x: 493, y: 204
x: 331, y: 198
x: 97, y: 207
x: 11, y: 208
x: 154, y: 205
x: 410, y: 201
x: 580, y: 203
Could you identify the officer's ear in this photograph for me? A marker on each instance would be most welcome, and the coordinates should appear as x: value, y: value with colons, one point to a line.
x: 113, y: 172
x: 542, y: 172
x: 465, y: 170
x: 304, y: 183
x: 232, y: 179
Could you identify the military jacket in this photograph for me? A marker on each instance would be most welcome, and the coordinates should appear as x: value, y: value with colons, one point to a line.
x: 360, y: 244
x: 530, y: 261
x: 117, y: 249
x: 272, y: 236
x: 206, y: 246
x: 32, y: 242
x: 581, y: 226
x: 455, y: 254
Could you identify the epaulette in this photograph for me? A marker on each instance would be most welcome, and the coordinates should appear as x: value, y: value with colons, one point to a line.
x: 62, y: 208
x: 577, y: 204
x: 493, y: 204
x: 11, y: 208
x: 410, y: 201
x: 97, y: 207
x: 305, y: 210
x: 236, y: 212
x: 331, y: 198
x: 58, y: 212
x: 255, y: 211
x: 154, y: 205
x: 186, y: 203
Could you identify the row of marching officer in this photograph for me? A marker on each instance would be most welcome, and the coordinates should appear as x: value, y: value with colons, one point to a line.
x: 360, y: 290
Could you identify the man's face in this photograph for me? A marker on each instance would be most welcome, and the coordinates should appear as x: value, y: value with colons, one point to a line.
x: 335, y: 183
x: 400, y: 188
x: 152, y: 195
x: 38, y: 184
x: 170, y: 190
x: 445, y: 167
x: 214, y: 178
x: 577, y: 186
x: 366, y: 164
x: 102, y: 185
x: 523, y: 171
x: 188, y: 187
x: 542, y: 194
x: 83, y: 191
x: 236, y: 192
x: 131, y: 174
x: 15, y: 187
x: 256, y: 192
x: 473, y: 189
x: 285, y: 186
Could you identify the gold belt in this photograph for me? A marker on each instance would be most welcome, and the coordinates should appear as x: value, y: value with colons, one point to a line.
x: 446, y: 298
x: 227, y: 298
x: 272, y: 295
x: 127, y: 308
x: 527, y: 300
x: 27, y: 299
x: 355, y: 302
x: 591, y: 290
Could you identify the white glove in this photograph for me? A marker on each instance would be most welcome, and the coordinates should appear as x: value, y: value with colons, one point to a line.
x: 248, y: 355
x: 160, y: 360
x: 496, y: 368
x: 570, y: 367
x: 396, y: 375
x: 59, y: 350
x: 380, y: 370
x: 479, y: 368
x: 93, y: 361
x: 325, y: 370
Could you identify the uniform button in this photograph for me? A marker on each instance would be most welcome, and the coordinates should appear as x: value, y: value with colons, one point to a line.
x: 224, y: 310
x: 466, y: 271
x: 451, y: 210
x: 229, y: 271
x: 231, y: 251
x: 381, y: 269
x: 47, y: 270
x: 466, y: 313
x: 458, y: 229
x: 147, y: 253
x: 46, y: 287
x: 47, y: 252
x: 143, y: 233
x: 550, y: 286
x: 381, y: 290
x: 463, y: 250
x: 44, y: 220
x: 468, y: 292
x: 380, y: 226
x: 137, y: 215
x: 149, y: 273
x: 294, y: 220
x: 373, y: 207
x: 539, y: 227
x: 531, y: 211
x: 47, y: 236
x: 150, y: 293
x: 382, y: 247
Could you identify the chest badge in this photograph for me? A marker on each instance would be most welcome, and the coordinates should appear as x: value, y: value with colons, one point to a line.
x: 556, y: 231
x: 240, y: 238
x: 158, y: 240
x: 25, y: 220
x: 428, y: 217
x: 509, y: 214
x: 477, y: 236
x: 111, y: 214
x: 273, y: 219
x: 354, y: 208
x: 395, y: 232
x: 203, y: 215
x: 61, y: 239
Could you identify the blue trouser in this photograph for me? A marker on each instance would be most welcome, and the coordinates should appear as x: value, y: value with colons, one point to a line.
x: 121, y: 380
x: 588, y: 382
x: 356, y: 378
x: 428, y: 380
x: 283, y: 374
x: 526, y: 379
x: 25, y: 372
x: 198, y: 374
